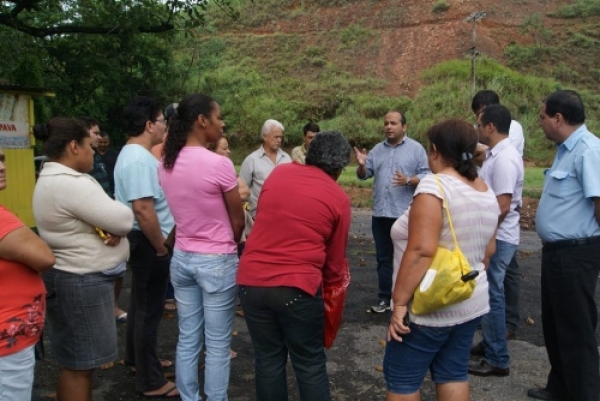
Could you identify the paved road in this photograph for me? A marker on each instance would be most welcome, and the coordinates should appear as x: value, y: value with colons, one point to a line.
x: 355, y: 359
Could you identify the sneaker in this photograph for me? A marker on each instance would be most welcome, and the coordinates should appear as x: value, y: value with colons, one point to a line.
x: 381, y: 307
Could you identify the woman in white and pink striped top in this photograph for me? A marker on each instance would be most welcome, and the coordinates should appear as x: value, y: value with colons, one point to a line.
x: 440, y: 341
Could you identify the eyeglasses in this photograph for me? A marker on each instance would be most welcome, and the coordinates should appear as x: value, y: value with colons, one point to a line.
x: 164, y: 121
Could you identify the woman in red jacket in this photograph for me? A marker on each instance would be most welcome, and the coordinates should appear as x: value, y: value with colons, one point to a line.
x: 298, y: 244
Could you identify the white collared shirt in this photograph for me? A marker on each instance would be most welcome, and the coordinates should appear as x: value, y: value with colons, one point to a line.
x: 503, y: 172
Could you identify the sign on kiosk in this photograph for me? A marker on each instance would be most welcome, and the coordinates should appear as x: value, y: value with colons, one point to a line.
x: 14, y: 121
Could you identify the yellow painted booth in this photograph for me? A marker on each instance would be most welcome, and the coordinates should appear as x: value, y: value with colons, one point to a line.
x: 17, y: 142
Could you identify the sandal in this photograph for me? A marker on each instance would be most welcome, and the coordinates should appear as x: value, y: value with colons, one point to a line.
x: 170, y: 305
x: 167, y: 394
x: 122, y: 318
x: 165, y: 363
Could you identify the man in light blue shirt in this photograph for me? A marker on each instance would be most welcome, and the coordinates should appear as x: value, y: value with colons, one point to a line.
x: 397, y: 165
x: 568, y: 222
x: 137, y: 186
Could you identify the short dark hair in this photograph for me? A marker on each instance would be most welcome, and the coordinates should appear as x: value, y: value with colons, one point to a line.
x: 88, y: 121
x: 58, y: 133
x: 455, y: 140
x: 312, y: 127
x: 484, y: 98
x: 329, y: 151
x: 104, y: 134
x: 497, y: 115
x: 402, y: 116
x: 138, y: 112
x: 568, y: 103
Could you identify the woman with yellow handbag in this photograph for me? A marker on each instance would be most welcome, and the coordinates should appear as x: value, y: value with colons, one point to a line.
x: 437, y: 303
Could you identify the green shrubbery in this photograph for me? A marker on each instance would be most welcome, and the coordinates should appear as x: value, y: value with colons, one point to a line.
x: 256, y: 77
x: 441, y: 6
x: 582, y: 8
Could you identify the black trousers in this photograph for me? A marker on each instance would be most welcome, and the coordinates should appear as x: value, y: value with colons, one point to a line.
x: 150, y: 276
x: 569, y: 319
x: 286, y: 321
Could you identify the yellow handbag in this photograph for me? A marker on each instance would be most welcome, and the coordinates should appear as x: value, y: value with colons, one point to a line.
x: 449, y: 279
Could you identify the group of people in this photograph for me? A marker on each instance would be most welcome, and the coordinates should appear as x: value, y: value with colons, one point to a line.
x: 180, y: 218
x: 466, y: 189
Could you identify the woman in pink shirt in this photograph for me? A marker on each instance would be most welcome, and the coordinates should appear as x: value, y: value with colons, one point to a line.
x: 202, y: 192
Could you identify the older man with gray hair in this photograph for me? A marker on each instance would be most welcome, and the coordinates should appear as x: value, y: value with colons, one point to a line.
x: 259, y: 164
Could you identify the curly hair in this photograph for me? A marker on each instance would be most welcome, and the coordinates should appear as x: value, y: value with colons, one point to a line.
x: 181, y: 123
x: 329, y: 151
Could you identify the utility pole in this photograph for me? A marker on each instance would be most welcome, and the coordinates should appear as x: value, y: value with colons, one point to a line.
x: 474, y: 17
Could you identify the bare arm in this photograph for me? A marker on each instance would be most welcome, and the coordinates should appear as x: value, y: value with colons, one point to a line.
x: 490, y: 250
x: 233, y: 202
x: 144, y: 212
x: 246, y: 171
x: 424, y: 228
x: 504, y: 203
x: 23, y: 246
x: 243, y: 189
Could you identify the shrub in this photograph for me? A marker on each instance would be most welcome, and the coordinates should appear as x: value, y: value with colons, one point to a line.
x: 440, y: 6
x: 583, y: 8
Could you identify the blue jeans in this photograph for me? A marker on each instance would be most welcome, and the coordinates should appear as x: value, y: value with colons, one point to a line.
x: 384, y: 248
x: 494, y: 323
x: 16, y: 375
x: 512, y: 284
x: 282, y: 321
x: 205, y: 291
x: 443, y: 350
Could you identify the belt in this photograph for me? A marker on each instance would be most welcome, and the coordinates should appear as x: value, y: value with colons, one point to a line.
x: 570, y: 243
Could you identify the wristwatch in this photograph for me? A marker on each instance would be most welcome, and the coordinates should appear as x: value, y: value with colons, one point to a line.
x: 408, y: 183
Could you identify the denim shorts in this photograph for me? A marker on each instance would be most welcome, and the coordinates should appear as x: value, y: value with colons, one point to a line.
x: 443, y: 350
x: 80, y: 318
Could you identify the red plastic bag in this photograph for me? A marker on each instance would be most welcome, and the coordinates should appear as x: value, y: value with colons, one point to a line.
x: 333, y: 299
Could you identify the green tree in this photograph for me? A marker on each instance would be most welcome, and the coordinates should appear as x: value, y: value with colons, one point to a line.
x: 43, y: 18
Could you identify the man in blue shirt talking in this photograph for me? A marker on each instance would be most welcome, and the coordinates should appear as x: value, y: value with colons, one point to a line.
x: 568, y: 222
x: 397, y: 165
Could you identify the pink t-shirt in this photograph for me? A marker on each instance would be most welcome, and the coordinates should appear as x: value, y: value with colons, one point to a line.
x: 194, y: 190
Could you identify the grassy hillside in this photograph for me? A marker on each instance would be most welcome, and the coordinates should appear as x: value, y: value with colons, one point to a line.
x: 318, y: 60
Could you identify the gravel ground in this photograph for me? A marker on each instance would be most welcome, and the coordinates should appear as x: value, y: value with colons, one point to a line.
x: 354, y: 362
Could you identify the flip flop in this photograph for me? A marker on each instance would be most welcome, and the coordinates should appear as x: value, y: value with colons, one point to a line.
x: 165, y: 363
x: 165, y: 394
x: 122, y: 318
x: 170, y: 306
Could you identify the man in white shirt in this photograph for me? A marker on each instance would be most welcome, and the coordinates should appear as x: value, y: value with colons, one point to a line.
x: 512, y: 280
x: 259, y: 164
x: 503, y: 173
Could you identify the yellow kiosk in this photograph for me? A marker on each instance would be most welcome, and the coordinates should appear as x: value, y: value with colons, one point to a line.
x: 17, y: 142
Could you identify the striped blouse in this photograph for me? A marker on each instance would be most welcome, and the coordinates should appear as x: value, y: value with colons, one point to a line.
x: 475, y: 217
